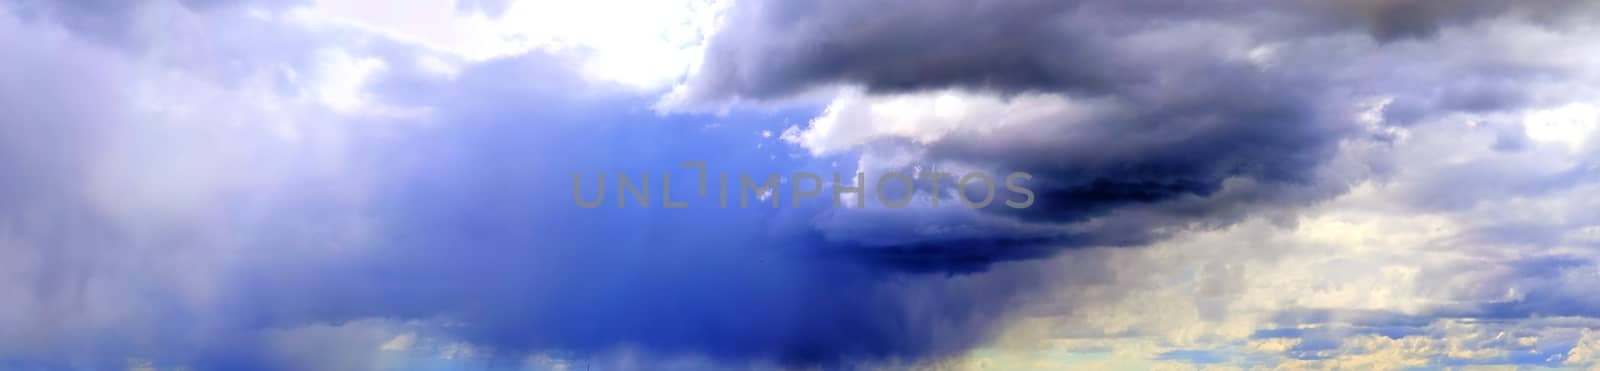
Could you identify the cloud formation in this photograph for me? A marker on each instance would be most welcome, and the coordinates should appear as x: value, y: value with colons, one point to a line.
x: 166, y: 236
x: 1112, y: 106
x: 238, y: 185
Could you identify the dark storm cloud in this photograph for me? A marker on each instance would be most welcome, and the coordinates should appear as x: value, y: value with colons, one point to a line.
x: 1165, y: 142
x: 927, y: 44
x: 1180, y: 109
x: 1191, y: 96
x: 1391, y: 20
x: 773, y: 48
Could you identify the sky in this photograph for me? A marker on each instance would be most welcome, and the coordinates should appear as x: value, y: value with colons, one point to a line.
x: 1208, y: 184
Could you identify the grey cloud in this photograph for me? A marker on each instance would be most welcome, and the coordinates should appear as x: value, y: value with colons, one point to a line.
x: 1180, y: 111
x: 127, y: 23
x: 773, y: 48
x: 1166, y: 141
x: 1193, y: 97
x: 1391, y: 20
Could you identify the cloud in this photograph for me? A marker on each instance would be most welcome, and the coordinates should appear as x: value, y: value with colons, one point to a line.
x: 770, y: 49
x: 1429, y: 266
x: 241, y: 221
x: 1136, y: 121
x: 1409, y: 19
x: 1389, y: 187
x: 1141, y: 127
